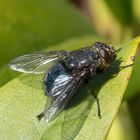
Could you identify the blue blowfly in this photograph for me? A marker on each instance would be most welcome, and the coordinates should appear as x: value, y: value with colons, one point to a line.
x: 65, y: 72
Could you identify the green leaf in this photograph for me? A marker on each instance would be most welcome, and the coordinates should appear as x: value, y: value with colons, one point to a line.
x: 123, y: 126
x: 133, y: 88
x: 27, y: 26
x: 21, y: 102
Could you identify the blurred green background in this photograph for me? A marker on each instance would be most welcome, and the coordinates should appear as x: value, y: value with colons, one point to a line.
x: 29, y: 26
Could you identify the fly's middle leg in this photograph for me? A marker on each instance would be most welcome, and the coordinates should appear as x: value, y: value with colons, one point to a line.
x: 98, y: 106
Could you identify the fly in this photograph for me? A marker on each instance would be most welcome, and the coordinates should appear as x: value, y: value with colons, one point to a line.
x: 65, y: 72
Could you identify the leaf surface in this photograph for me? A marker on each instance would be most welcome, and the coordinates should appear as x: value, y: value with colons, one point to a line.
x: 21, y: 102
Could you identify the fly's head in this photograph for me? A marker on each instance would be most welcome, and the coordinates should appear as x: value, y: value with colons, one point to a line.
x: 106, y: 53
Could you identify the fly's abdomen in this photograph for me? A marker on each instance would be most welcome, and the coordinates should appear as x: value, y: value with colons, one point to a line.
x: 56, y: 77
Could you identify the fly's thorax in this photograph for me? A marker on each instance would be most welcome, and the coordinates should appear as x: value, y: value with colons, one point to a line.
x: 81, y: 58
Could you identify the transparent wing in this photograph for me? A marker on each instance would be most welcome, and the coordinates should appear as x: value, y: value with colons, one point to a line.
x: 36, y: 63
x: 64, y: 89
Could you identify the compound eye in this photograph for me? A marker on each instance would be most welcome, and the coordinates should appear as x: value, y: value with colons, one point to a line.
x: 104, y: 54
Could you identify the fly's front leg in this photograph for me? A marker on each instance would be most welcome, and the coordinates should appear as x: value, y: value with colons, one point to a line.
x: 123, y: 67
x: 132, y: 58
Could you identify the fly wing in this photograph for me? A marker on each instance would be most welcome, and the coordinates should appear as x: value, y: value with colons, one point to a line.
x: 64, y: 89
x: 38, y: 62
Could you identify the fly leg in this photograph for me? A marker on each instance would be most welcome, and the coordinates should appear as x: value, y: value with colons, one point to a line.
x: 92, y: 74
x: 123, y: 67
x: 98, y: 106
